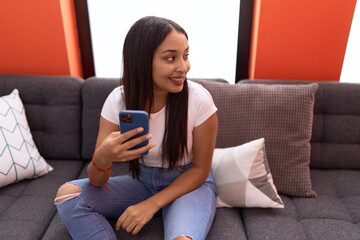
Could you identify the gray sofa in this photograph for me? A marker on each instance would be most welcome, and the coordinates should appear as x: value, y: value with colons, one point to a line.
x: 63, y: 114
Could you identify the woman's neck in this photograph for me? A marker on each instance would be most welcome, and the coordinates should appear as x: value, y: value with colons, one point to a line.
x: 159, y: 102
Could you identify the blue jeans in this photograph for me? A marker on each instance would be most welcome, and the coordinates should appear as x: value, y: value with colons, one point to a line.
x: 190, y: 215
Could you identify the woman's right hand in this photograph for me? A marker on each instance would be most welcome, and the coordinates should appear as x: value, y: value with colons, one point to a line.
x: 116, y: 148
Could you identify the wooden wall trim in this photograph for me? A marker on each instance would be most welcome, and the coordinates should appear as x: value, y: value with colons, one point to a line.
x: 84, y: 35
x: 244, y: 39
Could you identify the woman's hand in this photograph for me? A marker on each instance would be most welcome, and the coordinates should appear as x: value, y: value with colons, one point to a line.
x: 116, y: 148
x: 112, y: 146
x: 136, y: 216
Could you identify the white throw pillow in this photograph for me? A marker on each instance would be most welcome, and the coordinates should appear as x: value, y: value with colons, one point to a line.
x: 19, y: 157
x: 242, y: 177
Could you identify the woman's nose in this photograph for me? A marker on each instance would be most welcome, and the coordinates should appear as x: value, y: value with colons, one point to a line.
x: 182, y: 66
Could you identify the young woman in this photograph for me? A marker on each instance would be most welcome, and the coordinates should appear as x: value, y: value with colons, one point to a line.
x: 174, y: 178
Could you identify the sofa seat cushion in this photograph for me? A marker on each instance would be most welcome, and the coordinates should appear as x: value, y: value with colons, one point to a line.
x: 333, y: 214
x: 27, y: 207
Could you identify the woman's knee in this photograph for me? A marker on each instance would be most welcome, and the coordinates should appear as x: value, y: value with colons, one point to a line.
x: 67, y: 191
x: 182, y: 238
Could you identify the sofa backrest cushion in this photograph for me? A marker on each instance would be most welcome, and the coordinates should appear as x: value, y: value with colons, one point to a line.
x: 94, y: 93
x: 53, y: 110
x: 335, y: 139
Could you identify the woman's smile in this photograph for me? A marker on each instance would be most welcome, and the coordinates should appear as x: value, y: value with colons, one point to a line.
x: 177, y: 80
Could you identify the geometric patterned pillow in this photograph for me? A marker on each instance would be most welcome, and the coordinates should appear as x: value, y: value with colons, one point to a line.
x: 19, y: 157
x: 242, y: 177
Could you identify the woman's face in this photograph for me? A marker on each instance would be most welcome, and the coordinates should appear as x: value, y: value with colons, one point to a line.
x: 170, y: 64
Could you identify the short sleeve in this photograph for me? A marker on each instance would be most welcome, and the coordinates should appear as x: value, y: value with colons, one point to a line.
x: 113, y: 105
x: 201, y: 103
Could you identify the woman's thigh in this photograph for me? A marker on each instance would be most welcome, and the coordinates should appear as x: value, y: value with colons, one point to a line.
x: 122, y: 192
x: 191, y: 214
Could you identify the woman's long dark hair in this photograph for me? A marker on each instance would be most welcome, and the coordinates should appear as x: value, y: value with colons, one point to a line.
x: 140, y: 44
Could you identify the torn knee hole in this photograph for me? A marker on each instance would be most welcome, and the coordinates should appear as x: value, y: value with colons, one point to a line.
x: 67, y: 191
x: 182, y: 237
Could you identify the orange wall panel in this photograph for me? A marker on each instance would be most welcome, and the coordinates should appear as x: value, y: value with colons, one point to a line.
x: 71, y: 39
x: 300, y: 39
x: 39, y: 37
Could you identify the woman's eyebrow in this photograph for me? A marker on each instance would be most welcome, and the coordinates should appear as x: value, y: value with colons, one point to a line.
x: 173, y: 50
x: 169, y: 50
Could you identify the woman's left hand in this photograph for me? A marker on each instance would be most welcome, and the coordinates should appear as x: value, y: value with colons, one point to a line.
x: 136, y: 216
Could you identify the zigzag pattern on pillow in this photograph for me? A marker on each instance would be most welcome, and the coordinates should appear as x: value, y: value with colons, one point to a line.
x: 19, y: 157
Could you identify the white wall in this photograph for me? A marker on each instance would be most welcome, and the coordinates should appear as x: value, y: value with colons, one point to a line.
x: 212, y: 26
x: 351, y: 66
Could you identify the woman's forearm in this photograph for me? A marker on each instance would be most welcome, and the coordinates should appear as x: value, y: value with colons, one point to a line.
x: 98, y: 172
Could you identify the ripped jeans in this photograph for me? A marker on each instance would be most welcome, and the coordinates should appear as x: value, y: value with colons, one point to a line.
x: 190, y: 215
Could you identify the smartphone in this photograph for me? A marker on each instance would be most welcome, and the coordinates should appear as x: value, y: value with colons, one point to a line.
x: 130, y: 119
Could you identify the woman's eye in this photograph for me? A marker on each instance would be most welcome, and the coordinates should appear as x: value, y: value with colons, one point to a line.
x: 170, y: 59
x: 186, y: 56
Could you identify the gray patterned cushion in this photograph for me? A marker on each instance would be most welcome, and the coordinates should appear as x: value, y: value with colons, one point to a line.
x: 282, y: 114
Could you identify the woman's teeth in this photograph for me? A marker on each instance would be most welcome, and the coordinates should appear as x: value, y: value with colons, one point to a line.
x: 177, y: 79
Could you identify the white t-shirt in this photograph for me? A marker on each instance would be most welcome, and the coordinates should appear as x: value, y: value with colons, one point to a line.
x: 200, y: 107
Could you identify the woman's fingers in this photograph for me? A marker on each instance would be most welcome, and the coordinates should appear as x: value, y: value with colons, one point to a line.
x: 123, y: 137
x: 136, y: 229
x: 130, y: 227
x: 131, y: 220
x: 135, y: 153
x: 133, y: 142
x: 121, y: 149
x: 120, y: 222
x: 141, y: 150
